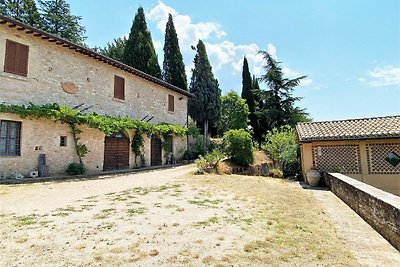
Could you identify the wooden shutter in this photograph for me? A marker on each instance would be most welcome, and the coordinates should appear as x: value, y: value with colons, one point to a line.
x: 171, y: 105
x: 119, y: 87
x: 16, y: 58
x: 21, y: 67
x: 11, y: 52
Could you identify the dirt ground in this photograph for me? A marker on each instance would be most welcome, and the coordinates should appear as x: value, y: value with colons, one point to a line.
x: 167, y: 218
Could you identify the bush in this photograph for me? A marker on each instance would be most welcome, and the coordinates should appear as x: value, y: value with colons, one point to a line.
x: 75, y: 168
x: 195, y: 150
x: 275, y: 172
x: 210, y: 160
x: 238, y: 146
x: 281, y: 145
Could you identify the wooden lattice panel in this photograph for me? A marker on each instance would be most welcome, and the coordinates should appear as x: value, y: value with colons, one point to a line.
x: 337, y: 158
x: 376, y: 154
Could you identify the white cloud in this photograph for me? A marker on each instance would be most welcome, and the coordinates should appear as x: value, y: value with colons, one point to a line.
x: 385, y: 76
x: 188, y: 32
x: 272, y: 51
x: 224, y: 55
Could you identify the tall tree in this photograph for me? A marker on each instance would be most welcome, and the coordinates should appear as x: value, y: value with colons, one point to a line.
x: 248, y: 95
x: 205, y: 106
x: 139, y: 51
x: 279, y: 103
x: 58, y: 20
x: 234, y: 113
x: 22, y: 10
x: 173, y: 66
x: 115, y: 50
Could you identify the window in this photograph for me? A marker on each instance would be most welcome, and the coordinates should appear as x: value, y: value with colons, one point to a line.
x: 63, y: 141
x: 16, y: 58
x: 119, y: 87
x: 10, y: 138
x: 171, y: 106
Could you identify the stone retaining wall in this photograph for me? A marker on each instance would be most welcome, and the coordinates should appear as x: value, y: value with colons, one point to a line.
x: 378, y: 208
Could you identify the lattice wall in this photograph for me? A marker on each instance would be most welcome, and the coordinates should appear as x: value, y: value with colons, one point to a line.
x: 376, y: 154
x: 337, y: 158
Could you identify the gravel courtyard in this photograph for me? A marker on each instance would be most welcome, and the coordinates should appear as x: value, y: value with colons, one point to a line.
x: 167, y: 217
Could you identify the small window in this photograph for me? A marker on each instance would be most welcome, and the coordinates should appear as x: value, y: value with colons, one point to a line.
x: 171, y: 106
x: 10, y: 138
x: 63, y: 141
x: 119, y: 87
x: 16, y: 58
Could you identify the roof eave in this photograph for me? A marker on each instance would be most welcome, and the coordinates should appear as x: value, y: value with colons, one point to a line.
x: 86, y: 51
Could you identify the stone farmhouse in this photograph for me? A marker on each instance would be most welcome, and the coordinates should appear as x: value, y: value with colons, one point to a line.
x: 40, y: 68
x: 364, y: 149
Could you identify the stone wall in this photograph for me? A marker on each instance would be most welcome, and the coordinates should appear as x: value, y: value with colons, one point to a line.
x: 50, y: 65
x: 42, y: 136
x: 378, y: 208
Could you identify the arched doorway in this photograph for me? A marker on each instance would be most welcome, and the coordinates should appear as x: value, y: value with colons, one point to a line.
x: 156, y: 151
x: 116, y: 152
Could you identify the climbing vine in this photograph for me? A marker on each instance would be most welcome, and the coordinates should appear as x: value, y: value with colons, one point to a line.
x: 137, y: 145
x: 106, y: 124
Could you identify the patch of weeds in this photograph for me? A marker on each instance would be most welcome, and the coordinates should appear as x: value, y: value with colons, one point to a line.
x: 207, y: 222
x: 135, y: 202
x: 25, y: 220
x: 137, y: 211
x: 105, y: 226
x: 171, y: 206
x: 87, y: 206
x: 45, y: 223
x: 61, y: 214
x: 68, y: 209
x: 206, y: 202
x: 231, y: 210
x: 157, y: 205
x: 104, y: 214
x: 248, y: 221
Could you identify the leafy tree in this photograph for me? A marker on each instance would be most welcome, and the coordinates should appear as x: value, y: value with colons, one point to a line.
x: 278, y: 102
x: 115, y: 50
x: 21, y: 10
x: 139, y: 50
x: 173, y: 66
x: 238, y: 146
x: 205, y: 106
x: 58, y: 20
x: 281, y: 144
x: 234, y: 112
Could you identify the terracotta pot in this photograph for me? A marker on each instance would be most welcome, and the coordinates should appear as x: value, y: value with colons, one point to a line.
x: 313, y: 177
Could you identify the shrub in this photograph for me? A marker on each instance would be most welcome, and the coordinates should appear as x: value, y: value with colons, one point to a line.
x: 275, y: 172
x: 195, y: 150
x: 75, y: 168
x: 210, y: 160
x: 238, y: 146
x: 281, y: 144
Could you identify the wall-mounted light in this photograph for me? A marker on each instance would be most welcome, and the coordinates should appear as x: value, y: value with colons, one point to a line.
x: 181, y: 98
x: 88, y: 79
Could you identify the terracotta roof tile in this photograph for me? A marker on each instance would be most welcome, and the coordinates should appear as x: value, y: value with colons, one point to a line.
x: 367, y: 128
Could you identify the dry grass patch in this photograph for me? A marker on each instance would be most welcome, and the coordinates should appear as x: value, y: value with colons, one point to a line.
x: 288, y: 224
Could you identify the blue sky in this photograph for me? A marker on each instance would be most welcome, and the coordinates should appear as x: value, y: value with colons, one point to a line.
x: 350, y: 49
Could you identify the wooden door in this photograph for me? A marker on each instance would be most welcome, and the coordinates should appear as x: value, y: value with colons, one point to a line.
x: 116, y: 152
x: 156, y: 153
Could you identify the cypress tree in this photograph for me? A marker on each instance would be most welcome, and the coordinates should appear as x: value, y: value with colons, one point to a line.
x: 173, y: 66
x: 58, y: 20
x: 247, y: 85
x: 22, y: 10
x: 139, y: 50
x: 205, y: 106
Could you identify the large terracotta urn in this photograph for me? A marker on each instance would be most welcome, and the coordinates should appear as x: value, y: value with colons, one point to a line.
x: 313, y: 177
